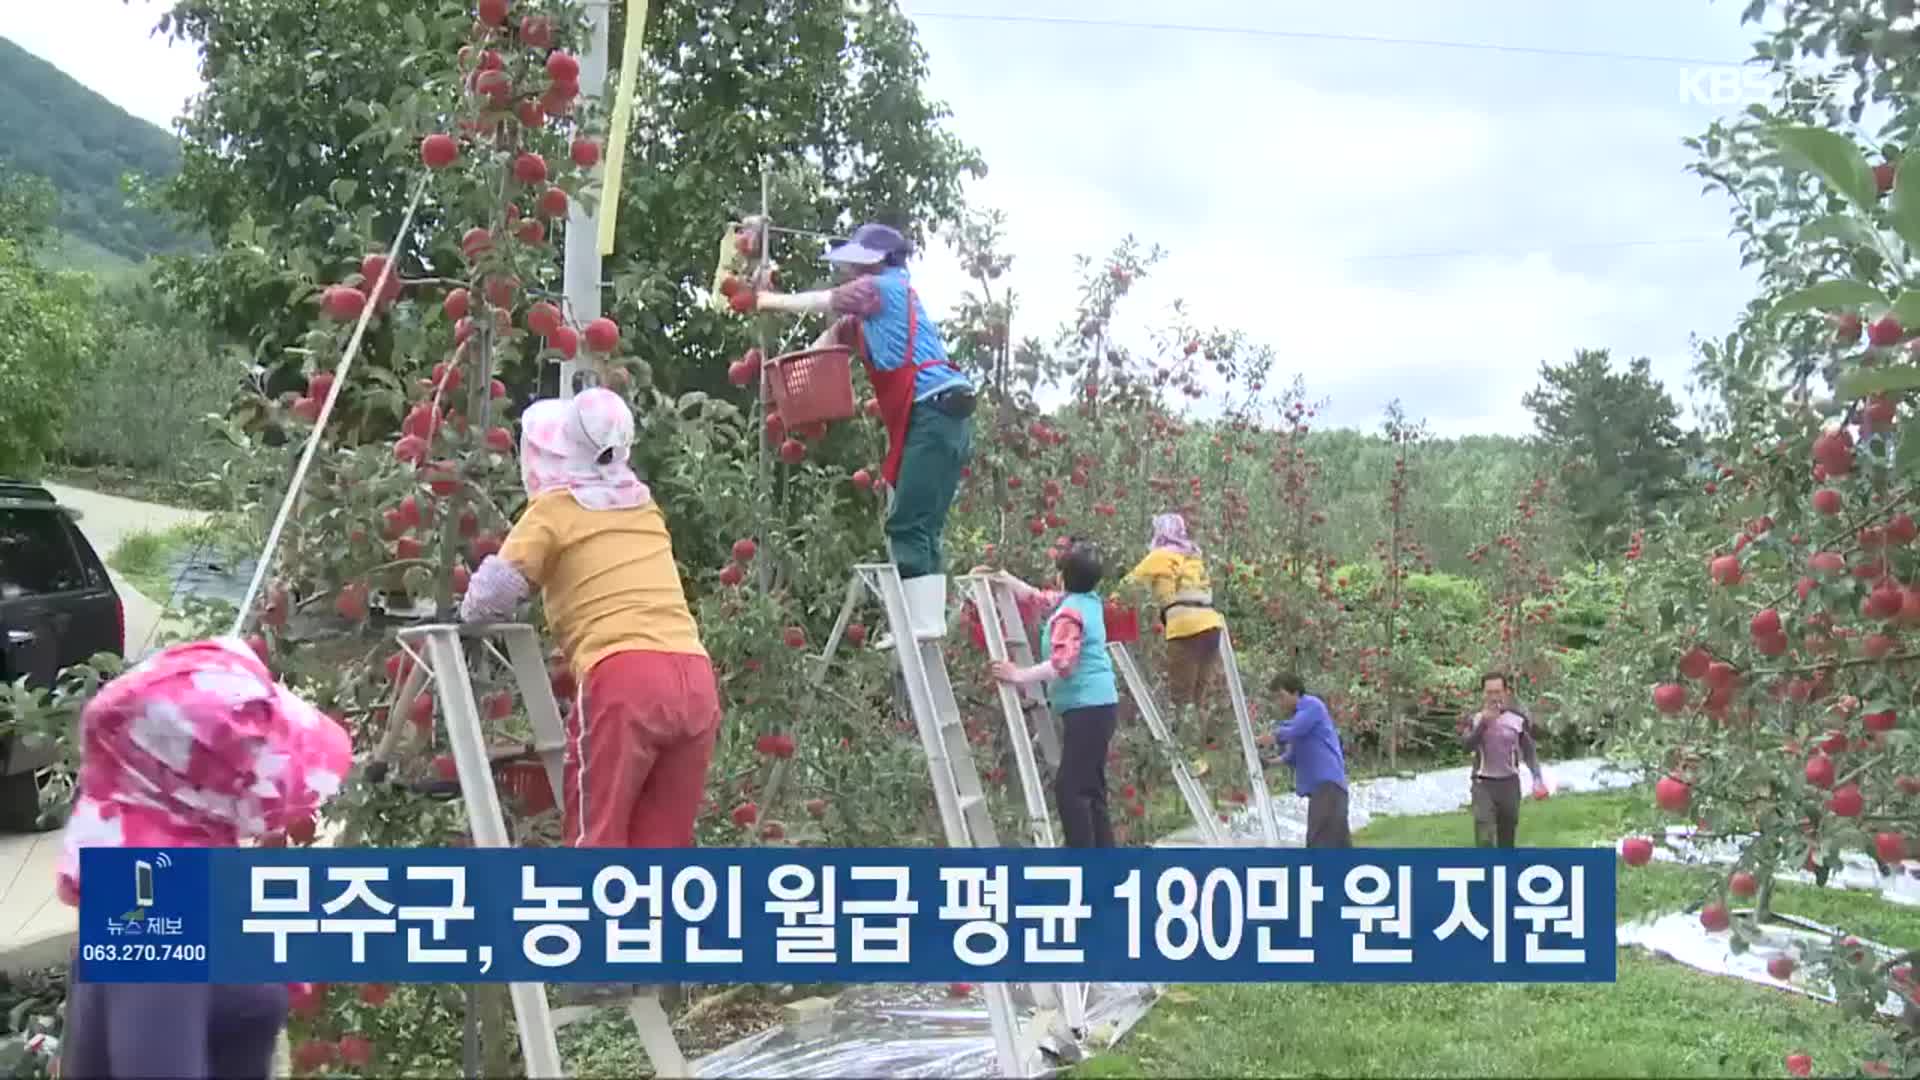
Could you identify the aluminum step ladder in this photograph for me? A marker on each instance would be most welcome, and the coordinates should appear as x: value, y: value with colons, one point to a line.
x: 994, y: 601
x: 1019, y: 648
x: 438, y: 652
x: 1197, y: 802
x: 1249, y: 744
x: 965, y: 816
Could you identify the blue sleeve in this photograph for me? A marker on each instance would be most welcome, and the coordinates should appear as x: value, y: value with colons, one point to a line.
x: 1306, y: 717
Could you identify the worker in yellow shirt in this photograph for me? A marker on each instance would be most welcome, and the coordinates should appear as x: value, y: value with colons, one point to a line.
x: 595, y: 544
x: 1176, y: 573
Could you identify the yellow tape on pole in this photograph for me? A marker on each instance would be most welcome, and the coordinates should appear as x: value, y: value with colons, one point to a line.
x: 622, y: 121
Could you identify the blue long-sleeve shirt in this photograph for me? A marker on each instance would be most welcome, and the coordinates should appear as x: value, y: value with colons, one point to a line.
x: 1313, y: 746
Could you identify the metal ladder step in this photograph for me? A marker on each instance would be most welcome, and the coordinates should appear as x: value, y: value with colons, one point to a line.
x: 1196, y: 798
x: 442, y: 652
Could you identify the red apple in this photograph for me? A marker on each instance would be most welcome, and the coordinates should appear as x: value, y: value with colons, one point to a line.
x: 1695, y: 663
x: 1725, y: 570
x: 1846, y: 801
x: 342, y: 302
x: 356, y: 1050
x: 1890, y: 848
x: 603, y: 335
x: 437, y: 151
x: 420, y: 711
x: 536, y: 32
x: 543, y: 319
x: 314, y: 1056
x: 1670, y: 698
x: 1715, y: 917
x: 1819, y: 771
x: 351, y: 604
x: 1672, y: 794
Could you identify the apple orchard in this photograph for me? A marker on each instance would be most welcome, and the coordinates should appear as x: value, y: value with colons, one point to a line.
x: 1754, y: 650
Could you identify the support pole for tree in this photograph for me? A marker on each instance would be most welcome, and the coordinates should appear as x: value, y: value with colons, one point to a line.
x: 581, y: 278
x: 763, y: 485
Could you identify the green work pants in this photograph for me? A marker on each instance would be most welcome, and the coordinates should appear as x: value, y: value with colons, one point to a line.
x: 938, y: 448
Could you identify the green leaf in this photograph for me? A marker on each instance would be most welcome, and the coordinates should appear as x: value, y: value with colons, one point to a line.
x: 1829, y: 295
x: 1905, y: 206
x: 1906, y: 307
x: 1842, y: 227
x: 1832, y: 157
x: 1865, y: 382
x: 1907, y: 454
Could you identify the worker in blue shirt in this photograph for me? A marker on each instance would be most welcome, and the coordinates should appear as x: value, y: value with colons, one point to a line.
x: 1319, y: 764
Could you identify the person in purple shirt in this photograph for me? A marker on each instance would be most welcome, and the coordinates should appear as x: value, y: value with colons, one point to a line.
x: 1500, y: 738
x: 1319, y: 763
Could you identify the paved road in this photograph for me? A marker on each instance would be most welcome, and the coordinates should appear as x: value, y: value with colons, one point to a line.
x: 36, y: 930
x: 106, y: 520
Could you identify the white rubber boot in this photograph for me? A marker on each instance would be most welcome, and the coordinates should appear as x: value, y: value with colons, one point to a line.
x: 927, y: 606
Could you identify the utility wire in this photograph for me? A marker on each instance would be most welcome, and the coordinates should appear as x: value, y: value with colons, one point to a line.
x: 1313, y: 35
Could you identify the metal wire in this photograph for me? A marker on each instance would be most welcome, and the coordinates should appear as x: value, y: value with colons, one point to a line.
x: 265, y: 563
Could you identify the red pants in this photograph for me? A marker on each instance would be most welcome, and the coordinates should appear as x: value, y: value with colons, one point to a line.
x: 638, y: 745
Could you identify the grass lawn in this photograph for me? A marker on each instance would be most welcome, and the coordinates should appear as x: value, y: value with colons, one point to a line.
x: 146, y: 559
x: 1659, y: 1019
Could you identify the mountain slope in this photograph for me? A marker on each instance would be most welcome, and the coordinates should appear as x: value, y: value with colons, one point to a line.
x: 54, y: 127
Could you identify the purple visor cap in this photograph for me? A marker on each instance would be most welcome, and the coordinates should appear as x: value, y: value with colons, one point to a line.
x: 870, y: 244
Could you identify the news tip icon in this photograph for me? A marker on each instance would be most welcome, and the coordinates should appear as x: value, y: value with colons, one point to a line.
x: 143, y: 884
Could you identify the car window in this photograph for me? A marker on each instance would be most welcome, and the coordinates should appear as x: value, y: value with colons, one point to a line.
x: 35, y: 555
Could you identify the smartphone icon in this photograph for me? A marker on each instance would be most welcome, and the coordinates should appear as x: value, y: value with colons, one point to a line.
x: 142, y: 884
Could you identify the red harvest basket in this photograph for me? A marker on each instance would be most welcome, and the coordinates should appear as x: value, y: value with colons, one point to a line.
x: 526, y: 782
x: 1123, y: 624
x: 813, y: 386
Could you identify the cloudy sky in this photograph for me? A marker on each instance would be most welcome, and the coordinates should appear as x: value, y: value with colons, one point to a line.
x: 1421, y: 199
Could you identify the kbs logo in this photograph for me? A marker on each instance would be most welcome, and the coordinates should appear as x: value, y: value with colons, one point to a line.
x: 1743, y: 85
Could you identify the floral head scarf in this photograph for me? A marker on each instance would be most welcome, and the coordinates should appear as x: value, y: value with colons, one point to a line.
x: 198, y: 747
x: 581, y: 445
x: 1170, y: 532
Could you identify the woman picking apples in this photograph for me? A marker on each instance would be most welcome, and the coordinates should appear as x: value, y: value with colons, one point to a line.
x: 1080, y: 687
x: 592, y: 539
x: 925, y: 403
x: 196, y: 747
x: 1176, y: 572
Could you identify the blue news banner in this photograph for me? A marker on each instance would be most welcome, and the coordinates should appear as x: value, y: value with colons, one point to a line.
x: 719, y: 915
